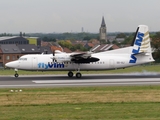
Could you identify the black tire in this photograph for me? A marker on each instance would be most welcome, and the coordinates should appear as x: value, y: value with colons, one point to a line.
x: 70, y: 74
x: 78, y: 75
x: 16, y: 75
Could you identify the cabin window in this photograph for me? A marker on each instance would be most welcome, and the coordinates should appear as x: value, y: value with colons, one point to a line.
x: 24, y: 59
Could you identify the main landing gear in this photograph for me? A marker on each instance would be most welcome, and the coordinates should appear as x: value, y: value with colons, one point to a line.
x: 16, y: 73
x: 78, y: 74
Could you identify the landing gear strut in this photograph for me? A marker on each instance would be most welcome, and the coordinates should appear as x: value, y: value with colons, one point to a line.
x: 16, y: 73
x: 78, y: 74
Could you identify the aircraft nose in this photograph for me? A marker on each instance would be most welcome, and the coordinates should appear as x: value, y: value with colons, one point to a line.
x: 12, y: 64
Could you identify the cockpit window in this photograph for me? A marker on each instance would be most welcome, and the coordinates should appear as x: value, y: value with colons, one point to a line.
x: 24, y: 59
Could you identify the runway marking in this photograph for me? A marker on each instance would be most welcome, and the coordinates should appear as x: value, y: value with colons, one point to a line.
x: 82, y: 84
x: 95, y: 81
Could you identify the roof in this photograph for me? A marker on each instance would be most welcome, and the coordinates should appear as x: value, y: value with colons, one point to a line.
x: 43, y: 43
x: 45, y: 49
x: 103, y: 47
x: 10, y: 48
x: 53, y: 48
x: 66, y: 50
x: 89, y: 45
x: 115, y: 46
x: 15, y: 38
x: 94, y: 41
x: 28, y: 48
x: 7, y: 37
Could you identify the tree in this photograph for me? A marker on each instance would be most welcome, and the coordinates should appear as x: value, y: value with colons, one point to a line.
x: 156, y: 45
x: 87, y: 38
x: 121, y: 35
x: 64, y: 43
x: 48, y: 39
x: 128, y: 40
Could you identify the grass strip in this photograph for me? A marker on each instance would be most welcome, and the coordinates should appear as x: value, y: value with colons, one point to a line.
x: 81, y: 103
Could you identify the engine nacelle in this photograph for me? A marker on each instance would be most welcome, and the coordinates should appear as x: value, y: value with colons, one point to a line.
x: 63, y: 57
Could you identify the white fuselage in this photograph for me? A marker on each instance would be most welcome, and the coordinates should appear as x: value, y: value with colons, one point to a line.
x: 107, y: 60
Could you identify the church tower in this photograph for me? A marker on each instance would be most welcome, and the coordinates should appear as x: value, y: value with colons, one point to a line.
x: 103, y: 31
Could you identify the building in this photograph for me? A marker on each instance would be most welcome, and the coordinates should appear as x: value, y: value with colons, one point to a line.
x: 119, y: 40
x: 13, y: 40
x: 34, y: 40
x: 20, y: 40
x: 8, y: 53
x: 103, y: 31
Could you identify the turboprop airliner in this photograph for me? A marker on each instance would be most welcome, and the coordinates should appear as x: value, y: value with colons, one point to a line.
x: 138, y: 53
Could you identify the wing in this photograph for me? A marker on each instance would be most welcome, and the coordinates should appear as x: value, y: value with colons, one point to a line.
x: 84, y: 57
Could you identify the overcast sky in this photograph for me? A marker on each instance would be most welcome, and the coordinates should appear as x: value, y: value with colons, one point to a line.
x: 49, y: 16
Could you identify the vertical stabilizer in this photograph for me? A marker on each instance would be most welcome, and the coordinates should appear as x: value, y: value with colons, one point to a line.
x: 141, y: 44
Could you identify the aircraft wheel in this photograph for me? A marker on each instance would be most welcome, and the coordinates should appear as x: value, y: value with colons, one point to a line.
x: 16, y: 75
x: 70, y: 74
x: 78, y: 75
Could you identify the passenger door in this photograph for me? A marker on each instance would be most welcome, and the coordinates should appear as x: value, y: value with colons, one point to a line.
x: 111, y: 63
x: 34, y: 62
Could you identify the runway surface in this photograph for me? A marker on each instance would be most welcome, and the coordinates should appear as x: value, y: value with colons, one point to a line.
x: 86, y: 80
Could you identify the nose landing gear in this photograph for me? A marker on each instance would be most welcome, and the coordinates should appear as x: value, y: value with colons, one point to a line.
x: 16, y: 73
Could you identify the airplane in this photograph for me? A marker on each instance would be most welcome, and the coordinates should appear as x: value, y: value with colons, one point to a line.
x: 138, y: 53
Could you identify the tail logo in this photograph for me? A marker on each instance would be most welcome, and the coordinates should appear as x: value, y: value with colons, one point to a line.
x: 137, y: 45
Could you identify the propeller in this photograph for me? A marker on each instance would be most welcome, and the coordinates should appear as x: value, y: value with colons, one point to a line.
x: 54, y: 57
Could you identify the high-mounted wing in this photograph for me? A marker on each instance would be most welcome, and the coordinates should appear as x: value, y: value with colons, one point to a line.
x: 84, y: 57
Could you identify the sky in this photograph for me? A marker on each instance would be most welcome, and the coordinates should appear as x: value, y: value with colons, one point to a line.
x: 59, y: 16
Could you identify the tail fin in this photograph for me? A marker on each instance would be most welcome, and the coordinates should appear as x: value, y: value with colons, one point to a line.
x: 141, y: 44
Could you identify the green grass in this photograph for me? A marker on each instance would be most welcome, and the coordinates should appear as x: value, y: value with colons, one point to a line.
x: 86, y: 111
x: 81, y: 103
x: 140, y: 68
